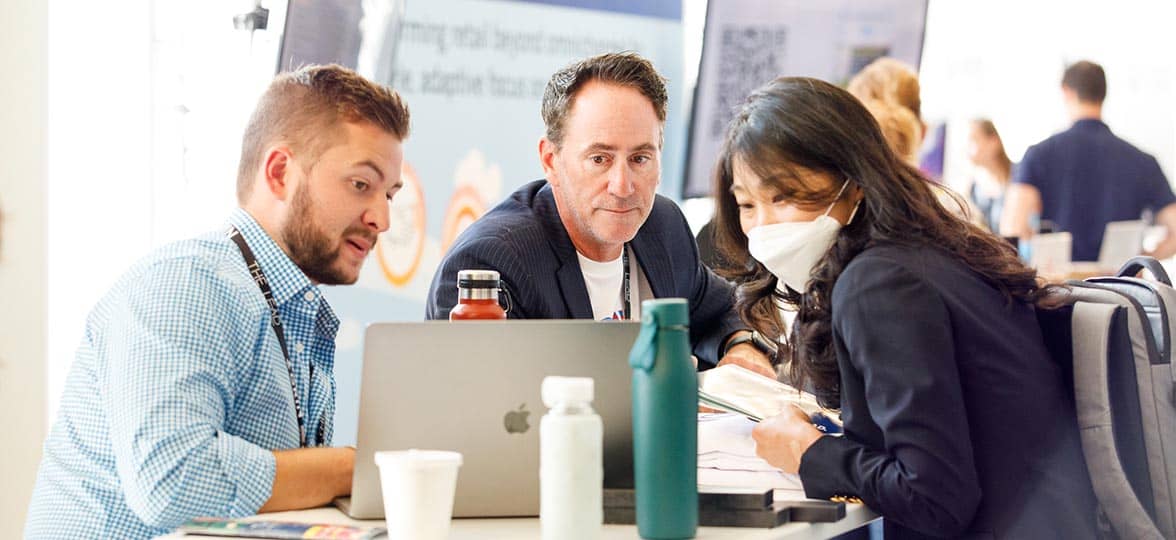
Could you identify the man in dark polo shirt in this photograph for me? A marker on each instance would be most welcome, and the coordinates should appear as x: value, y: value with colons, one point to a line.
x: 1085, y: 177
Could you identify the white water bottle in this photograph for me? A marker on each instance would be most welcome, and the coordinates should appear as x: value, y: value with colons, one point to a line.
x: 571, y: 467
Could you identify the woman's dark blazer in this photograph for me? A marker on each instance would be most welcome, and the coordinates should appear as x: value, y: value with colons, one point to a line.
x: 957, y: 421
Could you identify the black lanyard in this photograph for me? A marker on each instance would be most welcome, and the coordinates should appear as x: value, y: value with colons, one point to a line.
x: 628, y: 314
x: 276, y: 323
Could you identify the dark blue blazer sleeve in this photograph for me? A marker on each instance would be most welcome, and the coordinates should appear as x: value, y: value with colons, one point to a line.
x: 893, y: 333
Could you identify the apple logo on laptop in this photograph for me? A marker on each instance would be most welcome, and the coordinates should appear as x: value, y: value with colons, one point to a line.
x: 516, y: 421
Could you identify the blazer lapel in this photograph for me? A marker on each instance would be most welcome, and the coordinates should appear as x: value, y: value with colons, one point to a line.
x: 569, y: 276
x: 653, y: 257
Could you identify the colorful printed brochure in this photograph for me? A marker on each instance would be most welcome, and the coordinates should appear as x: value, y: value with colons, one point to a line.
x: 277, y: 529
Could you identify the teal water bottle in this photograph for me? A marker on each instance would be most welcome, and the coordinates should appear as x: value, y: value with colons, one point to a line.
x: 665, y: 422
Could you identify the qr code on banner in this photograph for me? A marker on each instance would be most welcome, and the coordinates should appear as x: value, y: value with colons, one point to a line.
x: 749, y: 56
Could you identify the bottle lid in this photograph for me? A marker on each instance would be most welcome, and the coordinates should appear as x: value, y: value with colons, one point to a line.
x: 556, y: 390
x: 669, y: 311
x: 477, y: 279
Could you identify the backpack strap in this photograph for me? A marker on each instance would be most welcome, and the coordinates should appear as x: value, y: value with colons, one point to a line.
x: 1143, y: 262
x: 1092, y: 326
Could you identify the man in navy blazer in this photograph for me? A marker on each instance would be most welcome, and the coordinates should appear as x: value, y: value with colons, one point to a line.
x: 594, y: 238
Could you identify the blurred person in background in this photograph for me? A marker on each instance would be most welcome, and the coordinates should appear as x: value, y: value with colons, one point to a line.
x: 890, y: 91
x: 902, y: 129
x: 891, y: 81
x: 991, y: 173
x: 1085, y: 177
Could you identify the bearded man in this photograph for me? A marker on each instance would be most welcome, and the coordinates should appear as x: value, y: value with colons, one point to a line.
x: 203, y: 385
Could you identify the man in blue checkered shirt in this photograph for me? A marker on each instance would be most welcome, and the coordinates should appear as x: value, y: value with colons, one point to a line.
x: 203, y: 385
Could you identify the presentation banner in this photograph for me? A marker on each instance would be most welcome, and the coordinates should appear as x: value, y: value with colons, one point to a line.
x: 750, y: 42
x: 473, y: 74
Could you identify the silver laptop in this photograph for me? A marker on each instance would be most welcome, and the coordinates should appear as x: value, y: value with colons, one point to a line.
x: 1121, y: 241
x: 473, y: 387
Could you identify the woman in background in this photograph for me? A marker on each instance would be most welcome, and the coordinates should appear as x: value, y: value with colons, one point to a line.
x: 900, y: 127
x: 890, y: 81
x: 919, y: 326
x: 992, y: 171
x: 890, y: 91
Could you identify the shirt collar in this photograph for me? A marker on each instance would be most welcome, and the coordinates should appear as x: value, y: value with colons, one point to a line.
x: 285, y: 278
x: 1084, y: 123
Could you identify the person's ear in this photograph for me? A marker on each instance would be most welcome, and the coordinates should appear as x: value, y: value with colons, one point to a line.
x: 278, y: 164
x: 854, y: 194
x: 547, y: 152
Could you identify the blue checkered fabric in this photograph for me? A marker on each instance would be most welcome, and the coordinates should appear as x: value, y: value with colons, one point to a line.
x: 179, y: 391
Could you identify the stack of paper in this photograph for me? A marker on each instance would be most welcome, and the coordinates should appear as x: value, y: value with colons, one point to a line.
x: 726, y: 456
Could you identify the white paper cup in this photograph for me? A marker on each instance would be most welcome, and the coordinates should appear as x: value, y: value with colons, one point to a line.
x: 418, y: 488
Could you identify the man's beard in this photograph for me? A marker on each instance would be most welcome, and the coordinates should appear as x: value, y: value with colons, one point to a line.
x: 311, y: 249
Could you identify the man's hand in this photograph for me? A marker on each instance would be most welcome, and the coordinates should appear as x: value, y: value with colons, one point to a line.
x: 310, y: 477
x: 783, y: 439
x: 747, y: 356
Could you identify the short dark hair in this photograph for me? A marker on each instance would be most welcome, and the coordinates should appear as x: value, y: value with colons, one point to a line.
x: 306, y: 107
x: 1087, y: 80
x: 624, y: 68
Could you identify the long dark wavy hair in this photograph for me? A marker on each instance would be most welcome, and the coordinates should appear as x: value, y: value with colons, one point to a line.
x: 795, y: 123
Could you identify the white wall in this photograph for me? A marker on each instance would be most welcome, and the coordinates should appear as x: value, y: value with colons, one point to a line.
x: 99, y: 154
x: 148, y: 102
x: 83, y: 191
x: 23, y: 52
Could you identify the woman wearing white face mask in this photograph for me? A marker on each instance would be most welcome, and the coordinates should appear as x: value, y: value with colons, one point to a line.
x: 919, y: 326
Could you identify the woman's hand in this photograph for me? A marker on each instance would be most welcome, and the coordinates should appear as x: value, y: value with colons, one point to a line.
x: 782, y: 439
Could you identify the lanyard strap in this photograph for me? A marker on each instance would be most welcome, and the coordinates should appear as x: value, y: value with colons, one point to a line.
x: 628, y: 313
x: 276, y: 323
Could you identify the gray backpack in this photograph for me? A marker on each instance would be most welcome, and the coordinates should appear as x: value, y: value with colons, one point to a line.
x: 1119, y: 333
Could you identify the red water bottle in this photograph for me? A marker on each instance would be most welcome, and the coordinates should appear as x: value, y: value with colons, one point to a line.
x: 477, y: 296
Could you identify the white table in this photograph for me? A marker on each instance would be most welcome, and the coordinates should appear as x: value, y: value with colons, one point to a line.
x: 731, y: 434
x: 856, y: 515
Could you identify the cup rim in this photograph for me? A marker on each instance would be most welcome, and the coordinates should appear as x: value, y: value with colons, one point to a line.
x: 417, y: 458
